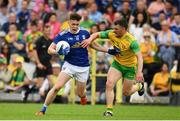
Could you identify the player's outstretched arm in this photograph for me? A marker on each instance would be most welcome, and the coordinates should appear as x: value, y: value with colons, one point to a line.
x: 88, y: 41
x: 98, y: 47
x: 52, y: 49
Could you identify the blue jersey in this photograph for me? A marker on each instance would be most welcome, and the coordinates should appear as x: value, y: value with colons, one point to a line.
x: 77, y: 56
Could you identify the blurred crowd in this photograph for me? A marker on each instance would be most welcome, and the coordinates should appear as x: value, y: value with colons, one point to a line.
x: 24, y: 23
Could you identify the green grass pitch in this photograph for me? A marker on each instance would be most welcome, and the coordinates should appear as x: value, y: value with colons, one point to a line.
x: 20, y: 111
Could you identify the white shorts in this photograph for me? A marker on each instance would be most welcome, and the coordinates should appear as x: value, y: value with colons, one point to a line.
x: 80, y: 74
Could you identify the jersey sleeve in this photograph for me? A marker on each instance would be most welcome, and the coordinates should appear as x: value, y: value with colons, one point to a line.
x: 135, y: 47
x: 104, y: 34
x: 58, y: 38
x: 87, y: 35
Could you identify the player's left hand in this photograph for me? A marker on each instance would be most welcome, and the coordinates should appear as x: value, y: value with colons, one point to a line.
x: 114, y: 51
x: 85, y: 43
x: 139, y: 77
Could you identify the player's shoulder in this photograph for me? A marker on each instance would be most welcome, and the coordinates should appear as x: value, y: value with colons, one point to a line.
x: 130, y: 37
x: 83, y: 30
x: 64, y: 32
x: 110, y: 32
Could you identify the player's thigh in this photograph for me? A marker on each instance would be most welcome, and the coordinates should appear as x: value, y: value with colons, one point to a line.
x: 81, y: 78
x: 62, y: 79
x: 113, y: 76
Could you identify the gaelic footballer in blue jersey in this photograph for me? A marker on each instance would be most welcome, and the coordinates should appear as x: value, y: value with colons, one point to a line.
x: 76, y: 61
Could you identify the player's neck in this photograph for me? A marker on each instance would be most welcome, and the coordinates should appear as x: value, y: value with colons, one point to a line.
x: 74, y: 32
x: 122, y: 34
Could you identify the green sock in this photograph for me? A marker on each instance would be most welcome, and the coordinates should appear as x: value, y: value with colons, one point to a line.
x: 110, y: 109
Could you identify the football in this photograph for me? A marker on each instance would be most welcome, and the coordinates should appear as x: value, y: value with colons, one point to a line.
x: 62, y: 48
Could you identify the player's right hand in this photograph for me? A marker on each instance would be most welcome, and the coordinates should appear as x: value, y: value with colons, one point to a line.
x: 85, y: 43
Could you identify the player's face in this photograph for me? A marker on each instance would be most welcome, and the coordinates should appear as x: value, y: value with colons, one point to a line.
x: 118, y: 30
x: 74, y: 25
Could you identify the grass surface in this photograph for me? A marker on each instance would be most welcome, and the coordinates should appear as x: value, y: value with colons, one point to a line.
x: 19, y: 111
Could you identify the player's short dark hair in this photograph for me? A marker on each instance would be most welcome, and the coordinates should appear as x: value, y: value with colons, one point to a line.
x: 75, y: 16
x: 122, y: 23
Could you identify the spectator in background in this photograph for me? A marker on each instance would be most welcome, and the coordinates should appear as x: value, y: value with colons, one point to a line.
x: 80, y: 4
x: 136, y: 28
x: 102, y: 26
x: 86, y: 22
x: 23, y: 16
x: 55, y: 25
x: 168, y: 8
x: 150, y: 30
x: 141, y: 8
x: 157, y: 25
x: 12, y: 20
x: 166, y: 38
x: 3, y: 14
x: 62, y: 11
x: 19, y: 78
x: 33, y: 16
x: 174, y: 12
x: 5, y: 51
x: 109, y: 14
x: 175, y: 77
x: 43, y: 11
x: 154, y: 8
x: 175, y: 27
x: 40, y: 25
x: 5, y: 74
x: 148, y: 50
x: 126, y: 11
x: 14, y: 39
x: 31, y: 39
x: 94, y: 14
x: 117, y: 16
x: 160, y: 84
x: 14, y: 6
x: 94, y: 29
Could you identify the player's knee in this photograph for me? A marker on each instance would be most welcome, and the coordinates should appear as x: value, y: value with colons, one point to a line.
x: 109, y: 85
x: 55, y: 89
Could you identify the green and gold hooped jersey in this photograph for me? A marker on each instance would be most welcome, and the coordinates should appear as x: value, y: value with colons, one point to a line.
x: 128, y: 46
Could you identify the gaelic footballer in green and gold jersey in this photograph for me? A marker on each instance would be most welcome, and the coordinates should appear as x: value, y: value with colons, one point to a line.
x: 127, y: 63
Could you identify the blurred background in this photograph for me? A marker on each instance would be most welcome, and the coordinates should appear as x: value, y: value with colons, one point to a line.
x: 154, y: 23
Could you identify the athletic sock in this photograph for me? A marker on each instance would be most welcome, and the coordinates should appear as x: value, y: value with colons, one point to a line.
x: 109, y: 108
x: 44, y: 108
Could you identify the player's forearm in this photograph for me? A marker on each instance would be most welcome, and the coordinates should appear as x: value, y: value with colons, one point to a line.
x: 140, y: 62
x: 98, y: 47
x: 52, y: 49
